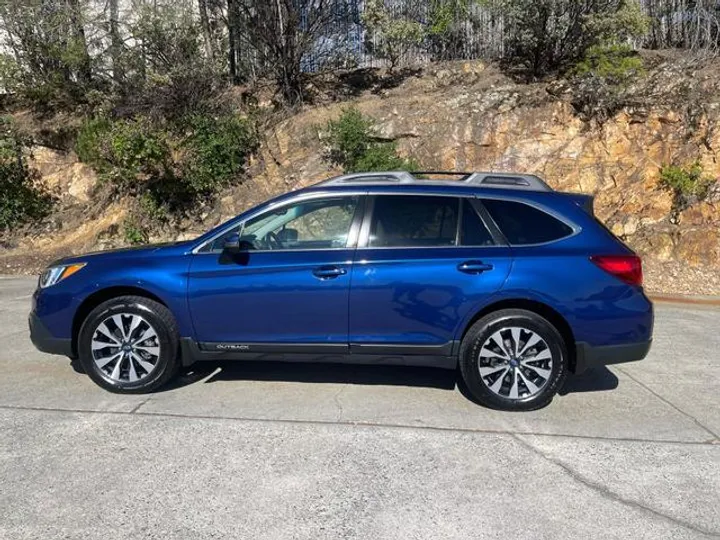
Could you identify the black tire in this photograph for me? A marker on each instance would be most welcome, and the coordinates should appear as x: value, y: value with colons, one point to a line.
x: 162, y: 322
x: 479, y: 387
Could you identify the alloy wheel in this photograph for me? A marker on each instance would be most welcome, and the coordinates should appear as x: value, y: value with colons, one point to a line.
x: 515, y: 363
x: 125, y: 348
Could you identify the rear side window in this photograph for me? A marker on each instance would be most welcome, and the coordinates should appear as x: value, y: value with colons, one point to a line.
x: 525, y: 224
x: 414, y: 221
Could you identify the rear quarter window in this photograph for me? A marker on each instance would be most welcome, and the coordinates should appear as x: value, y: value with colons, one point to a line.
x: 525, y: 224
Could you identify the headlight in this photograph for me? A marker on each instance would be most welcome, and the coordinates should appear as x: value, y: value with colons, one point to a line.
x: 55, y: 274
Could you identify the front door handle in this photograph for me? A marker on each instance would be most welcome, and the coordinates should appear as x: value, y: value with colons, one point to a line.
x: 328, y: 272
x: 474, y: 267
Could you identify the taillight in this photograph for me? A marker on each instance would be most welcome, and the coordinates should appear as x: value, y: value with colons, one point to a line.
x: 627, y: 268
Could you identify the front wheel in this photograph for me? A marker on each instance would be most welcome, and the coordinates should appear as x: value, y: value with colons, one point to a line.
x: 129, y: 345
x: 513, y: 360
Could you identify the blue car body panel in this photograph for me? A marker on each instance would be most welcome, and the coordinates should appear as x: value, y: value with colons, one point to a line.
x: 161, y: 271
x: 273, y: 297
x: 412, y: 298
x: 418, y: 296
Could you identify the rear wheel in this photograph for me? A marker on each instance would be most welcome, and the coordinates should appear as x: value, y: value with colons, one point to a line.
x: 129, y: 345
x: 513, y: 360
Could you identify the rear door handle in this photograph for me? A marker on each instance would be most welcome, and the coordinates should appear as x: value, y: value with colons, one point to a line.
x: 328, y: 272
x: 474, y: 267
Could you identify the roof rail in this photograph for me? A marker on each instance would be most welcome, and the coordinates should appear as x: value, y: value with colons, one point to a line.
x: 400, y: 177
x: 528, y: 182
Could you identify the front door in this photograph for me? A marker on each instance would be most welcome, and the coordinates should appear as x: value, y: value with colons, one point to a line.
x: 423, y: 264
x: 289, y: 288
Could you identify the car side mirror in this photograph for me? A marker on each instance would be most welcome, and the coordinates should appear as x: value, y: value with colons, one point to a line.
x: 232, y: 243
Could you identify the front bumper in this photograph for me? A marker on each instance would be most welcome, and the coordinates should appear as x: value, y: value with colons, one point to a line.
x: 44, y: 341
x: 588, y: 357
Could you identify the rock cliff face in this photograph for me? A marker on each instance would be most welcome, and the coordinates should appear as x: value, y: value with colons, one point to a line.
x: 467, y: 116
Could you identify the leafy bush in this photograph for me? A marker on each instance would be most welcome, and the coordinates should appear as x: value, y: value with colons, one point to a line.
x: 355, y: 146
x: 125, y: 152
x: 602, y: 80
x: 134, y: 234
x: 45, y: 59
x: 688, y: 184
x: 216, y: 150
x: 168, y: 165
x: 614, y: 63
x: 618, y: 24
x: 395, y: 35
x: 23, y: 199
x: 384, y: 157
x: 552, y: 35
x: 91, y: 139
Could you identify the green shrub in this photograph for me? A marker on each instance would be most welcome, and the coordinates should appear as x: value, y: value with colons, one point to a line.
x: 134, y: 234
x: 602, y: 80
x: 90, y: 140
x: 394, y: 35
x: 546, y: 36
x: 137, y: 151
x: 216, y: 150
x: 354, y: 145
x: 688, y: 184
x: 169, y: 165
x: 23, y: 198
x: 126, y: 153
x: 384, y: 157
x: 614, y: 63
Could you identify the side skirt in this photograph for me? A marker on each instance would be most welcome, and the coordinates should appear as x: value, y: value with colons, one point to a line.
x: 439, y: 357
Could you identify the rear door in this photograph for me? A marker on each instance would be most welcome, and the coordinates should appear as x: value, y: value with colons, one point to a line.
x: 423, y: 263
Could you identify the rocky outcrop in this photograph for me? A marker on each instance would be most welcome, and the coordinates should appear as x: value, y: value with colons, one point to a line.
x: 465, y: 119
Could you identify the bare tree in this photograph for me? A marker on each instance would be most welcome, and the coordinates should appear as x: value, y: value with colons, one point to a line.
x: 234, y: 32
x: 281, y: 32
x: 116, y: 42
x: 77, y: 33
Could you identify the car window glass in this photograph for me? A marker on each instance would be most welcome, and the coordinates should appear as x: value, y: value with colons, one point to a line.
x: 525, y: 224
x: 414, y: 221
x: 313, y: 224
x: 473, y: 231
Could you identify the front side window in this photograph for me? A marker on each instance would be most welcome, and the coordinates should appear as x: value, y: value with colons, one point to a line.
x: 525, y: 224
x: 311, y: 224
x: 414, y: 221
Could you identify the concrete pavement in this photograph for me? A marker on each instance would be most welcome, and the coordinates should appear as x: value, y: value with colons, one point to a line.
x: 248, y: 450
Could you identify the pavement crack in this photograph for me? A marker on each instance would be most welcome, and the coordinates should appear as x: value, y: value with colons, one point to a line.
x: 338, y: 403
x: 137, y: 407
x: 715, y: 437
x: 611, y: 495
x: 348, y: 423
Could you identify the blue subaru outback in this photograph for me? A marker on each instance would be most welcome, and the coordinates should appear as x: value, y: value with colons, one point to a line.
x: 496, y: 275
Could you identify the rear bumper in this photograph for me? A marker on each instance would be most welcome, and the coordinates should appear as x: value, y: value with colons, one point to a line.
x: 44, y: 341
x: 588, y: 357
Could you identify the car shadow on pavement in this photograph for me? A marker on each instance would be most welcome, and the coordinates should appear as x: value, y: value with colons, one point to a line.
x: 315, y: 373
x: 598, y: 379
x: 595, y: 380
